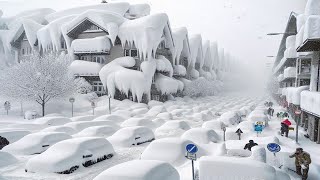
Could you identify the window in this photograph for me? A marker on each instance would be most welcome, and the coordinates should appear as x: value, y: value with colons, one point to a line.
x: 97, y: 87
x: 126, y: 52
x: 118, y: 41
x: 134, y: 53
x: 22, y: 51
x: 156, y: 97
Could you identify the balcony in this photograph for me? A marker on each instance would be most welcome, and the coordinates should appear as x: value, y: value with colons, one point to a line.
x: 294, y: 94
x: 289, y: 73
x: 310, y: 102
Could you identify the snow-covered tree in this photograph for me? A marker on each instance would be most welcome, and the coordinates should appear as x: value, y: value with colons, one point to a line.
x: 200, y: 87
x: 39, y: 78
x: 83, y: 86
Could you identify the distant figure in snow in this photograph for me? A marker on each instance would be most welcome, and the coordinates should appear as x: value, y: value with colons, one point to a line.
x: 285, y: 114
x: 270, y: 111
x: 285, y: 127
x: 250, y: 145
x: 3, y: 142
x: 303, y: 160
x: 270, y: 104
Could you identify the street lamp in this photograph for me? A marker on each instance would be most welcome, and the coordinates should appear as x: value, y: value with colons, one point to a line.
x: 109, y: 97
x: 72, y: 100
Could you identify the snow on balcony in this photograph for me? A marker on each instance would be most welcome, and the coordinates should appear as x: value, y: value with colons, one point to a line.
x: 85, y: 68
x: 301, y: 20
x: 311, y: 29
x: 310, y: 101
x: 290, y: 52
x: 179, y: 70
x: 290, y: 72
x: 100, y: 44
x: 299, y: 37
x: 294, y: 94
x: 290, y: 41
x: 280, y: 77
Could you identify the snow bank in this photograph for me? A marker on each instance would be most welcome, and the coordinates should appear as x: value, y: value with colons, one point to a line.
x: 146, y: 33
x: 168, y: 85
x: 131, y: 136
x: 290, y: 72
x: 228, y: 168
x: 13, y: 135
x: 119, y: 8
x: 201, y: 135
x: 258, y: 154
x: 312, y: 8
x: 79, y: 67
x: 294, y: 94
x: 96, y: 131
x: 35, y: 143
x: 310, y: 101
x: 311, y: 28
x: 91, y: 45
x: 164, y: 65
x: 6, y: 159
x: 140, y: 170
x: 181, y: 44
x: 171, y: 150
x: 70, y: 153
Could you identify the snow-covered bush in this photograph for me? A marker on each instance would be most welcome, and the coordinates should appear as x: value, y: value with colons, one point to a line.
x: 200, y: 87
x: 82, y: 85
x: 39, y: 79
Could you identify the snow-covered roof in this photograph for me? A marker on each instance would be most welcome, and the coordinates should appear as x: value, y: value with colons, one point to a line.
x: 146, y: 33
x: 164, y: 65
x: 196, y: 50
x: 90, y: 45
x: 181, y: 42
x: 167, y: 85
x: 138, y: 10
x: 50, y: 35
x: 37, y: 15
x: 312, y: 26
x: 79, y: 67
x: 107, y: 21
x: 116, y: 7
x: 312, y: 7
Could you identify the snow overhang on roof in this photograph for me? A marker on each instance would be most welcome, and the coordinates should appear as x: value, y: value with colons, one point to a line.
x: 196, y: 50
x: 115, y: 7
x: 146, y: 33
x: 181, y: 42
x: 85, y: 68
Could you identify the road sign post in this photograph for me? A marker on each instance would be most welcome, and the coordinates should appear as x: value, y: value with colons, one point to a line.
x: 72, y: 100
x: 239, y: 132
x: 224, y: 129
x: 297, y: 112
x: 7, y: 106
x: 191, y: 155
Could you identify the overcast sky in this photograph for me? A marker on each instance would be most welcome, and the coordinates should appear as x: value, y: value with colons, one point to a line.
x: 240, y: 26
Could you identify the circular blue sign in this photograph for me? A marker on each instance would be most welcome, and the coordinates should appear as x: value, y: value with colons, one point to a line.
x: 274, y: 147
x: 191, y: 148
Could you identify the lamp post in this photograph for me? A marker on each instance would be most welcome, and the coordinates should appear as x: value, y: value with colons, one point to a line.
x: 109, y: 97
x: 93, y: 105
x: 72, y: 100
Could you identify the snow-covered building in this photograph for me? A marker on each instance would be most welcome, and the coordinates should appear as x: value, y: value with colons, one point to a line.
x: 96, y: 35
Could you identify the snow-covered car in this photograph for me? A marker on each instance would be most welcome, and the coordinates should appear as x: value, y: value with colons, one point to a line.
x: 83, y: 118
x: 131, y: 136
x: 140, y: 170
x: 67, y: 156
x: 52, y: 121
x: 111, y: 117
x: 96, y: 131
x: 138, y: 122
x: 213, y: 124
x: 6, y: 159
x: 81, y: 125
x: 171, y: 150
x: 172, y: 128
x: 13, y: 135
x: 62, y: 129
x: 201, y: 135
x: 230, y: 118
x: 35, y: 143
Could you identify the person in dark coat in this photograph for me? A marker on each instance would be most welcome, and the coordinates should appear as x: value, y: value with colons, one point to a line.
x: 272, y: 111
x: 284, y: 129
x: 250, y: 145
x: 302, y: 161
x: 3, y: 142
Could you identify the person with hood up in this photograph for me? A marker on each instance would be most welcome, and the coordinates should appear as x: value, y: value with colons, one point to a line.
x: 302, y: 161
x: 285, y: 127
x: 250, y: 145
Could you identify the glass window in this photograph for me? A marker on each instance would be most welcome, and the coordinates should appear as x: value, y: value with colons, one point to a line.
x: 126, y: 52
x: 134, y: 53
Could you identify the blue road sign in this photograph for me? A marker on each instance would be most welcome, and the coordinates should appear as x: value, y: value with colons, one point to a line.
x: 258, y: 128
x: 274, y: 147
x: 191, y: 148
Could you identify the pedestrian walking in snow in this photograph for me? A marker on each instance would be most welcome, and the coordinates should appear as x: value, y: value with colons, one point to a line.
x: 250, y: 145
x: 272, y: 111
x: 302, y: 161
x: 3, y: 142
x: 285, y: 127
x: 285, y: 114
